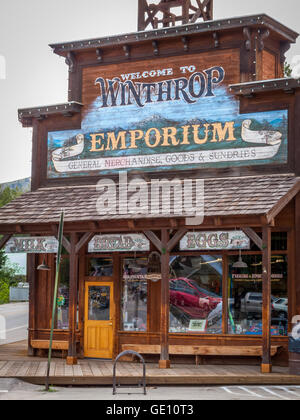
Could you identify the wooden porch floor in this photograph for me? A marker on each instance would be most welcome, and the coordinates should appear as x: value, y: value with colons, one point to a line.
x: 14, y: 363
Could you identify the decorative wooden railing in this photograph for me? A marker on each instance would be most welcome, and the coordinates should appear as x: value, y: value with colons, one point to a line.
x: 165, y: 13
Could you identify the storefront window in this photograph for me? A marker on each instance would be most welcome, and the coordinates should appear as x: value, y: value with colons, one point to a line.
x: 100, y: 267
x: 280, y: 293
x: 246, y: 300
x: 99, y: 303
x: 63, y: 296
x: 134, y: 297
x: 196, y: 294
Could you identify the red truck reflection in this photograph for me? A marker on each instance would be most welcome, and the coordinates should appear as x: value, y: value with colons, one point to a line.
x: 188, y: 296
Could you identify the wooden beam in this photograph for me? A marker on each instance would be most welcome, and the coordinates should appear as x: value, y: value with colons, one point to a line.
x: 296, y: 121
x: 4, y: 240
x: 297, y: 248
x: 19, y: 229
x: 164, y: 362
x: 131, y: 224
x: 73, y: 297
x: 283, y: 202
x: 225, y: 294
x: 254, y: 236
x: 266, y: 366
x: 154, y: 239
x: 32, y: 276
x: 65, y: 242
x: 83, y: 241
x: 176, y: 238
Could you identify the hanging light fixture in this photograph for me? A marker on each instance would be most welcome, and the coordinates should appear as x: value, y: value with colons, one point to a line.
x: 240, y: 263
x: 154, y: 267
x: 43, y: 266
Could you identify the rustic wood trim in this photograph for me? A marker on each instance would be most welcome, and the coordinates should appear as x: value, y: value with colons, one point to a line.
x: 296, y: 128
x: 73, y: 297
x: 65, y: 241
x: 4, y: 240
x: 117, y: 282
x: 110, y: 227
x: 225, y: 294
x: 32, y: 262
x: 292, y: 274
x: 254, y: 236
x: 250, y: 88
x: 176, y: 238
x: 267, y: 291
x: 255, y: 21
x: 83, y: 241
x: 297, y: 250
x: 165, y: 302
x: 154, y: 240
x: 81, y: 303
x: 283, y: 202
x: 27, y: 115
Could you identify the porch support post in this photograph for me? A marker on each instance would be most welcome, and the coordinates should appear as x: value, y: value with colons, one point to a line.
x: 32, y: 262
x: 73, y: 297
x: 266, y: 366
x: 4, y: 240
x: 297, y: 247
x: 164, y: 362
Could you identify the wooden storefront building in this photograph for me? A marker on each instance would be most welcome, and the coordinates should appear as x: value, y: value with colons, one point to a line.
x: 204, y: 100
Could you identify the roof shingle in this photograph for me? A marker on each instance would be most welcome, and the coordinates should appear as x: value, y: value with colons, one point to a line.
x: 255, y: 195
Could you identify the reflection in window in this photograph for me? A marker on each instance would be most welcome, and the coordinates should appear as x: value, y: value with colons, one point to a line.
x: 280, y: 294
x: 99, y: 303
x: 246, y: 300
x: 63, y: 295
x: 100, y: 267
x: 196, y: 294
x: 135, y: 290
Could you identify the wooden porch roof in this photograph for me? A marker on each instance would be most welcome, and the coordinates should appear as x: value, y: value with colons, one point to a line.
x: 241, y: 196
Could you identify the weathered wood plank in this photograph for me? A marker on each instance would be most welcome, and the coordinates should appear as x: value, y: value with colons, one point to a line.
x: 44, y: 344
x: 201, y: 350
x: 77, y: 370
x: 60, y: 369
x: 42, y: 369
x: 24, y: 369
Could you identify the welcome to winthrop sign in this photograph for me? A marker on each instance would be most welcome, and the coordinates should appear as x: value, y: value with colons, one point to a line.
x: 179, y: 117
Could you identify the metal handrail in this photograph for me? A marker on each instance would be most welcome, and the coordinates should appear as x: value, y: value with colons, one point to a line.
x: 124, y: 353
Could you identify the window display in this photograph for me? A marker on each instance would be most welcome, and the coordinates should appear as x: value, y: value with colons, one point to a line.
x: 63, y: 296
x: 246, y: 300
x: 99, y: 303
x: 135, y: 292
x: 196, y: 294
x: 100, y: 267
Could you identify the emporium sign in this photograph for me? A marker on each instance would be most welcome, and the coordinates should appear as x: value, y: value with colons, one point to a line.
x: 201, y: 241
x: 32, y: 245
x: 182, y: 117
x: 119, y: 243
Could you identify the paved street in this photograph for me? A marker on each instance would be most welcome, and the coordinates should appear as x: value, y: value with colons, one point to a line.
x: 13, y: 322
x: 12, y: 389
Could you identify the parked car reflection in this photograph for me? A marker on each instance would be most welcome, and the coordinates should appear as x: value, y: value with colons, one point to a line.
x: 191, y: 298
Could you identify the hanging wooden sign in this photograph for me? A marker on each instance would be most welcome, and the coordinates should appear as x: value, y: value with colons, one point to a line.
x: 32, y: 245
x: 201, y: 241
x: 119, y: 243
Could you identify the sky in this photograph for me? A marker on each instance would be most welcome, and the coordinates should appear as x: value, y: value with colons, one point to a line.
x: 31, y: 75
